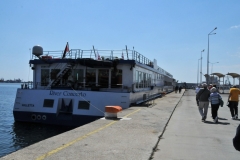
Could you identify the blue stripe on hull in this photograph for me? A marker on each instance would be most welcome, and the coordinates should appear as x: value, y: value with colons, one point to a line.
x: 53, y: 119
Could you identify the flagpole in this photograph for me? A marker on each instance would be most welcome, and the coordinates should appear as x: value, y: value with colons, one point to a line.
x: 127, y: 51
x: 65, y: 50
x: 94, y: 52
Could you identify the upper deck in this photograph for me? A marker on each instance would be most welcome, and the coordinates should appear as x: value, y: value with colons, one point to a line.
x: 99, y: 55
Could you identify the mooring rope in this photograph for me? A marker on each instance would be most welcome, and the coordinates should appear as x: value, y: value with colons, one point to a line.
x: 88, y: 101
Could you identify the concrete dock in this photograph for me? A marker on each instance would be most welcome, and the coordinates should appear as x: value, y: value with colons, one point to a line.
x: 171, y: 128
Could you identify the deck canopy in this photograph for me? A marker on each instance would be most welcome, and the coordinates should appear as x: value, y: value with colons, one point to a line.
x: 234, y: 75
x: 220, y: 75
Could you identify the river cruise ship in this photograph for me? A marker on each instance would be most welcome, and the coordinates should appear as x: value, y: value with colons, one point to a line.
x: 73, y: 87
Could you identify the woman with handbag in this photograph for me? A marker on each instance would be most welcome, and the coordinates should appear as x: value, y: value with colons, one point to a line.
x: 215, y: 99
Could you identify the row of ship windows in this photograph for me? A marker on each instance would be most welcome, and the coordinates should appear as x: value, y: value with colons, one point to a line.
x: 48, y: 103
x: 142, y: 76
x: 84, y: 78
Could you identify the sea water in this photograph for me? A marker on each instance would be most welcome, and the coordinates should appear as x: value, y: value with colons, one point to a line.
x: 16, y: 135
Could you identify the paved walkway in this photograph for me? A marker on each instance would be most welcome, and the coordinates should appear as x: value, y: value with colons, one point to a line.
x: 187, y: 138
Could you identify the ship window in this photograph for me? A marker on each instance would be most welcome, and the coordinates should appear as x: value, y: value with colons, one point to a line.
x: 116, y: 78
x: 136, y: 79
x: 48, y: 103
x: 54, y: 73
x: 77, y: 75
x: 90, y: 77
x: 44, y: 77
x: 103, y: 78
x: 84, y: 105
x: 149, y: 80
x: 140, y: 79
x: 144, y: 80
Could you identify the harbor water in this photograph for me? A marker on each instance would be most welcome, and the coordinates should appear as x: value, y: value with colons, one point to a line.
x: 15, y: 135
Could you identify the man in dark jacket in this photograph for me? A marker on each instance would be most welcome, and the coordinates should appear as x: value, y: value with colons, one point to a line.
x: 202, y: 96
x: 236, y: 139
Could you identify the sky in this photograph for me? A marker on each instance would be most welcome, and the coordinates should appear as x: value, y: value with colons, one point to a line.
x: 170, y: 31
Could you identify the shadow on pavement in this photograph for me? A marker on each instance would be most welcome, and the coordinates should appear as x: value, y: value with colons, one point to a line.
x: 222, y: 118
x: 223, y: 123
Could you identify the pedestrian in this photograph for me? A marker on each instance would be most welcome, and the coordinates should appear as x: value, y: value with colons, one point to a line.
x: 176, y: 89
x: 196, y: 91
x: 214, y: 101
x: 180, y: 89
x: 236, y: 139
x: 210, y: 86
x: 214, y: 85
x: 233, y: 101
x: 202, y: 96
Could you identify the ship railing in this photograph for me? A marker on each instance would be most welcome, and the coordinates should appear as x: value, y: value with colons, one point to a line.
x: 27, y: 85
x: 98, y: 55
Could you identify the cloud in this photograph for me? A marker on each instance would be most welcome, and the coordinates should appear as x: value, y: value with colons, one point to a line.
x: 235, y: 27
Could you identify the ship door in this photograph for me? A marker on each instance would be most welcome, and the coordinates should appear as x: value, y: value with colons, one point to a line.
x: 65, y: 106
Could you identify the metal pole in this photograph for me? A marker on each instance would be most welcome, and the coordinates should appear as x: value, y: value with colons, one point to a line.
x: 197, y: 71
x: 208, y: 62
x: 211, y: 74
x: 201, y: 68
x: 208, y: 55
x: 211, y: 68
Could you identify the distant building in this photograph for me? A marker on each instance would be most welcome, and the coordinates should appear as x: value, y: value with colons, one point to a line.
x: 11, y: 81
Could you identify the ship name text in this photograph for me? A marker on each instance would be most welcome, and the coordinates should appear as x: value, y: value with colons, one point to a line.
x: 67, y: 93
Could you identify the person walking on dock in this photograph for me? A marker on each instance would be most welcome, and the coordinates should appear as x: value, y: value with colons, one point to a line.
x: 214, y: 101
x: 196, y: 91
x: 233, y: 99
x: 176, y: 89
x: 236, y: 139
x: 202, y: 96
x: 210, y: 86
x: 180, y: 89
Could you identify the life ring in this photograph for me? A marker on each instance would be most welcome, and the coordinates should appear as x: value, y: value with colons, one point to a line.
x: 39, y: 117
x: 44, y: 117
x: 33, y: 116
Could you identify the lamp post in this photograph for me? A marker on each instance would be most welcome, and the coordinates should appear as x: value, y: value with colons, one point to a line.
x: 201, y: 68
x: 208, y: 54
x: 198, y: 71
x: 212, y: 70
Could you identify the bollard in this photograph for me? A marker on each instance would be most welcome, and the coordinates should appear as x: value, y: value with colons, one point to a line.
x: 111, y: 111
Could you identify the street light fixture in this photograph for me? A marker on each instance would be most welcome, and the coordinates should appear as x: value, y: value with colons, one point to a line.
x: 201, y: 68
x: 208, y: 54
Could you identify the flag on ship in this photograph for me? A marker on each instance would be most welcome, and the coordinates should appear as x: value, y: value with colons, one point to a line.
x: 122, y: 56
x: 65, y: 50
x: 99, y: 58
x: 96, y: 55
